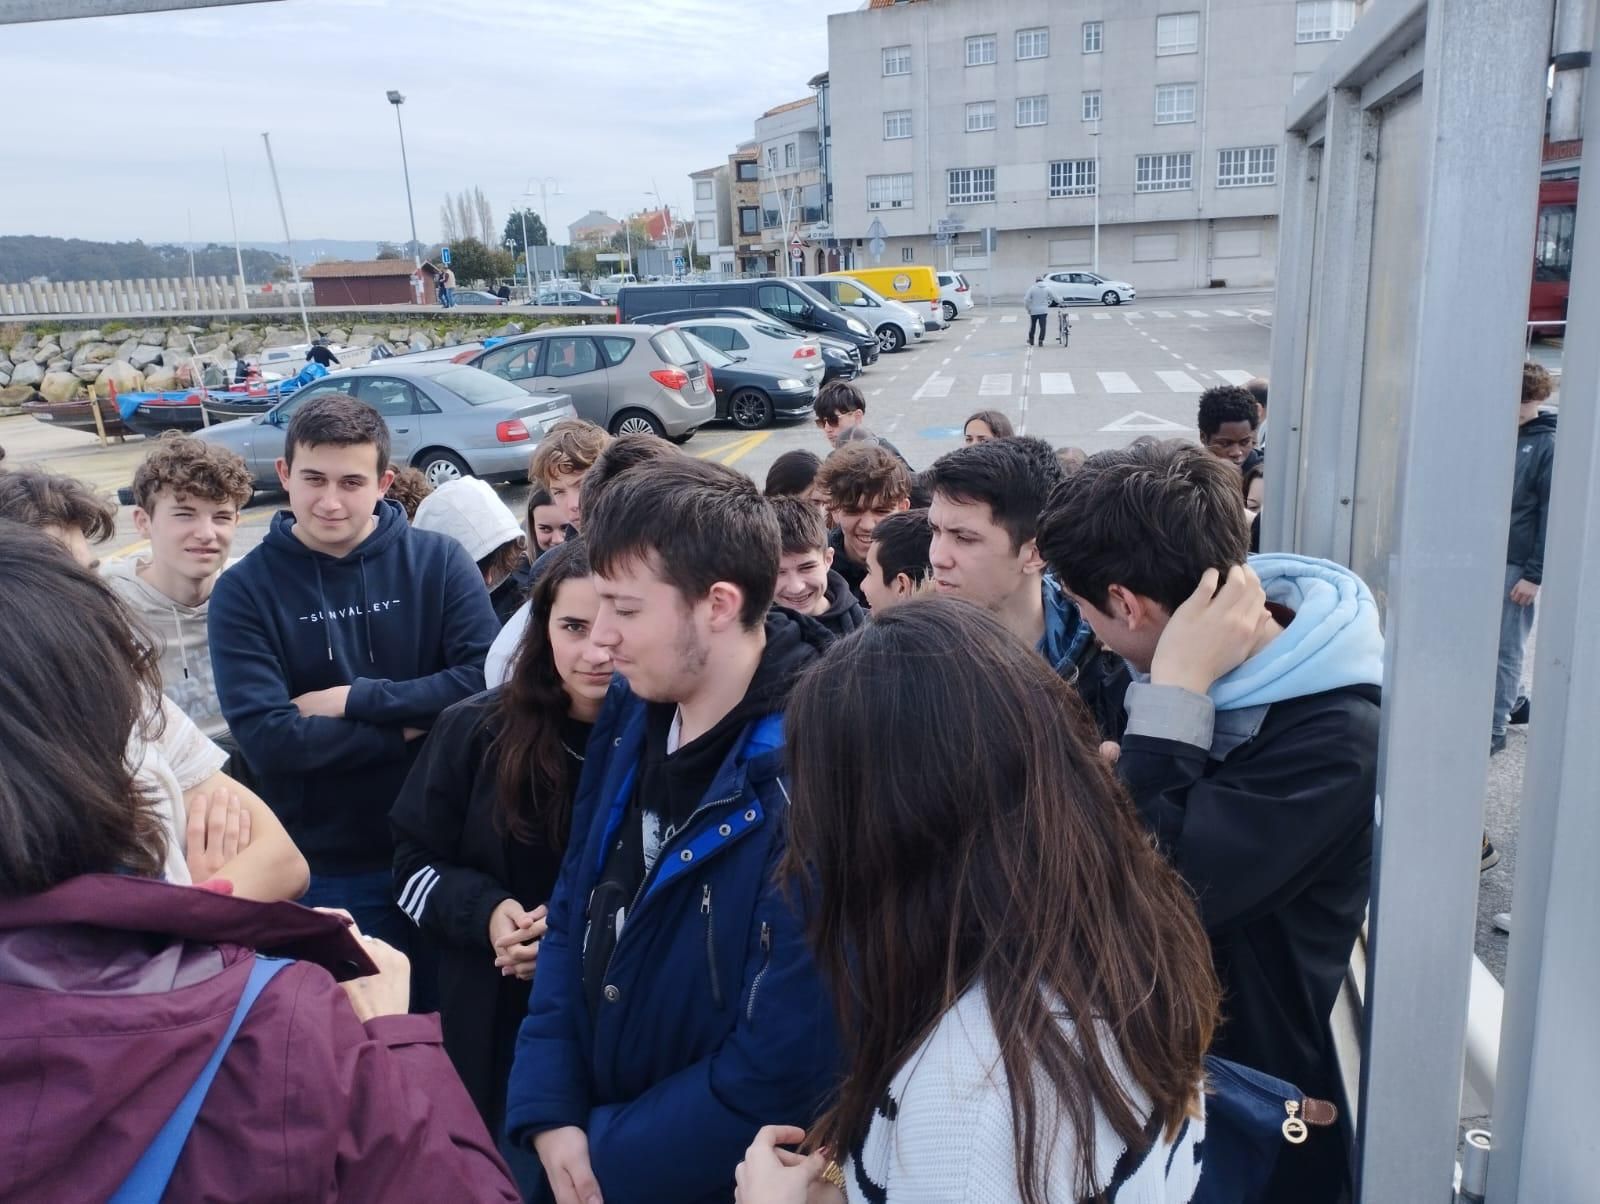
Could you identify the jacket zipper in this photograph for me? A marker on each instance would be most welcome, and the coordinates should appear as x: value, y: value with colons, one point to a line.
x: 627, y: 916
x: 766, y: 960
x: 711, y: 945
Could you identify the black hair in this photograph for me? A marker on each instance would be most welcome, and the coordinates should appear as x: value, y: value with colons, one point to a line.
x: 337, y: 421
x: 1009, y: 475
x: 1226, y: 403
x: 792, y: 473
x: 902, y: 541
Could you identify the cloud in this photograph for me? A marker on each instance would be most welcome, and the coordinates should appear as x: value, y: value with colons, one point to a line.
x: 611, y: 97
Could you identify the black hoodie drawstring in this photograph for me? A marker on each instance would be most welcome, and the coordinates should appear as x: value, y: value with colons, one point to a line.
x: 366, y: 611
x: 322, y: 601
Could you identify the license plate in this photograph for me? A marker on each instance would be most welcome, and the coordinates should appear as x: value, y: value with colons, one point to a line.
x: 699, y: 384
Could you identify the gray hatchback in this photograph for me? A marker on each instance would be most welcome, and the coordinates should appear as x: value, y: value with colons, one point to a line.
x: 449, y: 420
x: 631, y: 380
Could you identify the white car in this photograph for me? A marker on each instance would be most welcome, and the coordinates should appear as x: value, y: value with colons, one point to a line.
x: 955, y: 295
x: 608, y: 287
x: 896, y: 325
x: 1069, y: 288
x: 764, y: 345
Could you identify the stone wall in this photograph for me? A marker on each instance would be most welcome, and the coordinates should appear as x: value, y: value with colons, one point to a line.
x: 60, y: 363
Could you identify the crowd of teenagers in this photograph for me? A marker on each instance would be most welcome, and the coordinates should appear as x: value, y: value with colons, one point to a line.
x: 958, y: 835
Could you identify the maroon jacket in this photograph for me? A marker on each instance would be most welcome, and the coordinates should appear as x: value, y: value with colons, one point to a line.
x: 115, y: 990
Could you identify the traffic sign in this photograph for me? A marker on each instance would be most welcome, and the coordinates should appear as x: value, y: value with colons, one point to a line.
x: 444, y: 256
x: 677, y: 264
x: 876, y: 230
x: 877, y: 247
x: 951, y: 225
x: 796, y: 245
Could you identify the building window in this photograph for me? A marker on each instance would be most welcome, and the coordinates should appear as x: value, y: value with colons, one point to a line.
x: 982, y: 50
x: 980, y: 117
x: 702, y: 190
x: 1164, y: 173
x: 1033, y: 110
x: 1091, y: 106
x: 1178, y: 33
x: 749, y: 219
x: 1323, y: 20
x: 1074, y: 177
x: 772, y: 157
x: 1093, y: 37
x: 889, y: 192
x: 1174, y: 103
x: 897, y: 124
x: 749, y: 171
x: 907, y: 254
x: 970, y: 185
x: 897, y: 60
x: 1033, y: 43
x: 1244, y: 166
x: 708, y: 230
x: 788, y: 154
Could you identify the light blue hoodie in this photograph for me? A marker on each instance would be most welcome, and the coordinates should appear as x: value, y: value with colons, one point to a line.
x: 1334, y: 640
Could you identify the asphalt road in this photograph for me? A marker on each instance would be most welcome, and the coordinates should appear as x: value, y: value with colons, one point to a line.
x: 1127, y: 371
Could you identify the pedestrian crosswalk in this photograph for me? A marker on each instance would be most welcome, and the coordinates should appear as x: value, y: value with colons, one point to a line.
x: 1135, y: 315
x: 1061, y: 384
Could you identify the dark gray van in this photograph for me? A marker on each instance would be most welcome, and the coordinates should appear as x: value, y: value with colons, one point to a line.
x: 788, y: 301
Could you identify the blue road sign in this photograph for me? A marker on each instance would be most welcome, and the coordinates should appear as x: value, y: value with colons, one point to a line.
x: 677, y: 264
x: 444, y: 256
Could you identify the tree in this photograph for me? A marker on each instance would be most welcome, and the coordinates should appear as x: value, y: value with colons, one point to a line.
x: 447, y: 223
x: 483, y: 213
x: 387, y: 250
x: 473, y: 262
x: 537, y: 236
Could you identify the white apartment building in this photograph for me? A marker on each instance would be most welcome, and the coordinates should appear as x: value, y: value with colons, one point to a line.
x: 788, y: 139
x: 1156, y: 121
x: 713, y: 225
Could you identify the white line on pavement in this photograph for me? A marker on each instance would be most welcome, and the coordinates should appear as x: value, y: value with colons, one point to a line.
x: 1191, y: 368
x: 1008, y: 318
x: 875, y: 392
x: 995, y: 384
x: 1179, y: 382
x: 1022, y: 402
x: 1229, y: 313
x: 1234, y: 376
x: 944, y: 361
x: 935, y: 386
x: 1101, y: 317
x: 1117, y: 382
x: 1163, y: 347
x: 1196, y: 313
x: 1055, y: 382
x: 1163, y: 313
x: 1259, y: 313
x: 1135, y: 316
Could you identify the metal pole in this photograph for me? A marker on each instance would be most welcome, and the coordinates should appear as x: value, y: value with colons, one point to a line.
x: 527, y: 255
x: 294, y: 268
x: 544, y: 216
x: 1096, y: 136
x: 238, y: 255
x: 405, y: 166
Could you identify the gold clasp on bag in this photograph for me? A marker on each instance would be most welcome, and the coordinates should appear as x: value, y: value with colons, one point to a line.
x: 1294, y: 1129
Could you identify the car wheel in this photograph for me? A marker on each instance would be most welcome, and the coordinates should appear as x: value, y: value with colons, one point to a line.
x: 750, y: 409
x: 890, y: 339
x: 441, y: 467
x: 1111, y: 297
x: 949, y: 311
x: 637, y: 422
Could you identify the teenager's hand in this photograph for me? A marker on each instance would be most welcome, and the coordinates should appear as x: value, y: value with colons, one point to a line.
x: 327, y: 704
x: 565, y: 1155
x: 1213, y: 632
x: 386, y: 993
x: 517, y: 949
x: 413, y: 733
x: 769, y: 1175
x: 1110, y: 753
x: 218, y: 828
x: 1524, y: 592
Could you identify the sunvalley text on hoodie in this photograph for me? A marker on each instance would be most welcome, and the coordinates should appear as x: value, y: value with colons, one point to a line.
x: 403, y: 620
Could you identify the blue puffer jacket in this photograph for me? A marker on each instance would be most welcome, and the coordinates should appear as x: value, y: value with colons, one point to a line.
x: 713, y: 1020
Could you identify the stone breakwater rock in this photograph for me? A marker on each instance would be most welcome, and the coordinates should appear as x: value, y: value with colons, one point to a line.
x: 509, y: 328
x: 75, y: 338
x: 143, y: 355
x: 336, y: 335
x: 279, y: 337
x: 59, y: 386
x: 93, y: 353
x: 47, y: 351
x: 159, y: 378
x: 15, y: 395
x: 124, y: 375
x: 420, y: 342
x: 399, y: 334
x: 27, y: 373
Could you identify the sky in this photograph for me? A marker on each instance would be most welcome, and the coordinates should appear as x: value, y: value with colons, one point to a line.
x: 612, y: 98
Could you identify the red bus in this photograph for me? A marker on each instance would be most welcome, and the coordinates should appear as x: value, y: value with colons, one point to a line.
x: 1552, y: 253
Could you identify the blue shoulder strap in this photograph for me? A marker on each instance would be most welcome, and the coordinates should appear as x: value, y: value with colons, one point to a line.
x: 148, y: 1180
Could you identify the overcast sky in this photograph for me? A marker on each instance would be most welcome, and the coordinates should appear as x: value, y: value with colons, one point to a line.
x: 120, y: 124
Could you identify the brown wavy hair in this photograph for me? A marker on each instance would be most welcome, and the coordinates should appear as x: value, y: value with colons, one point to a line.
x: 535, y: 793
x: 71, y: 663
x: 188, y: 467
x: 954, y: 828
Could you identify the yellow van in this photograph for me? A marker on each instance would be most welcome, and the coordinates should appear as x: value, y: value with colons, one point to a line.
x: 911, y: 284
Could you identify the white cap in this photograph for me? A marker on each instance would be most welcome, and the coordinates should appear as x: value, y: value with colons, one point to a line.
x: 471, y: 513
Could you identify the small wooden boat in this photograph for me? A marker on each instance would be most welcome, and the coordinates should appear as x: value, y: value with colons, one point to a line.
x: 78, y: 416
x: 154, y: 414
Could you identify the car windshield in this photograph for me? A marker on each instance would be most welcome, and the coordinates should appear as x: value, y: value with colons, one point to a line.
x: 477, y: 387
x: 707, y: 353
x: 816, y: 298
x: 670, y: 346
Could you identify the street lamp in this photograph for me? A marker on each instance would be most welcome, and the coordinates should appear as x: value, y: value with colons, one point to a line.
x: 1095, y: 134
x: 397, y: 100
x: 545, y: 184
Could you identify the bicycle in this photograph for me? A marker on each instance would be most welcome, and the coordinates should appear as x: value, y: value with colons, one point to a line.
x: 1063, y: 326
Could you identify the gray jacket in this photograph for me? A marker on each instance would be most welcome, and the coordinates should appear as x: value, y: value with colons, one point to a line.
x: 1037, y: 299
x: 1530, y: 495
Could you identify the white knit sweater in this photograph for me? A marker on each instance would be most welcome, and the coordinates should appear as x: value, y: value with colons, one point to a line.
x: 943, y: 1135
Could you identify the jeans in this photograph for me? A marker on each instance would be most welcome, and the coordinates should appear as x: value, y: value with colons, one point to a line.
x: 369, y: 898
x: 1515, y: 624
x: 1036, y: 322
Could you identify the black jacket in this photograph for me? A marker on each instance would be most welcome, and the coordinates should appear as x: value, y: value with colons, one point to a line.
x: 453, y: 865
x: 852, y: 573
x: 1275, y: 840
x: 845, y: 613
x: 1530, y: 496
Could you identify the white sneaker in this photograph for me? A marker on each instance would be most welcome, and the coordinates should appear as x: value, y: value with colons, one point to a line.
x: 1502, y: 922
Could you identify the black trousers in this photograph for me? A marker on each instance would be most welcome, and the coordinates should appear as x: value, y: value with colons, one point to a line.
x: 1036, y: 323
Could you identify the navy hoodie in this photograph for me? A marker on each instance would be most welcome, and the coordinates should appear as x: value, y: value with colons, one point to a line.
x: 403, y: 620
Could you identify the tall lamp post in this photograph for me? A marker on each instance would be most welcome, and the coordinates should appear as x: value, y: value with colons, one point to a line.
x: 1095, y: 134
x: 397, y: 100
x: 545, y: 183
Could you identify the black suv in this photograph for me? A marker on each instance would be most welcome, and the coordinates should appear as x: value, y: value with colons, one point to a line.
x: 788, y: 301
